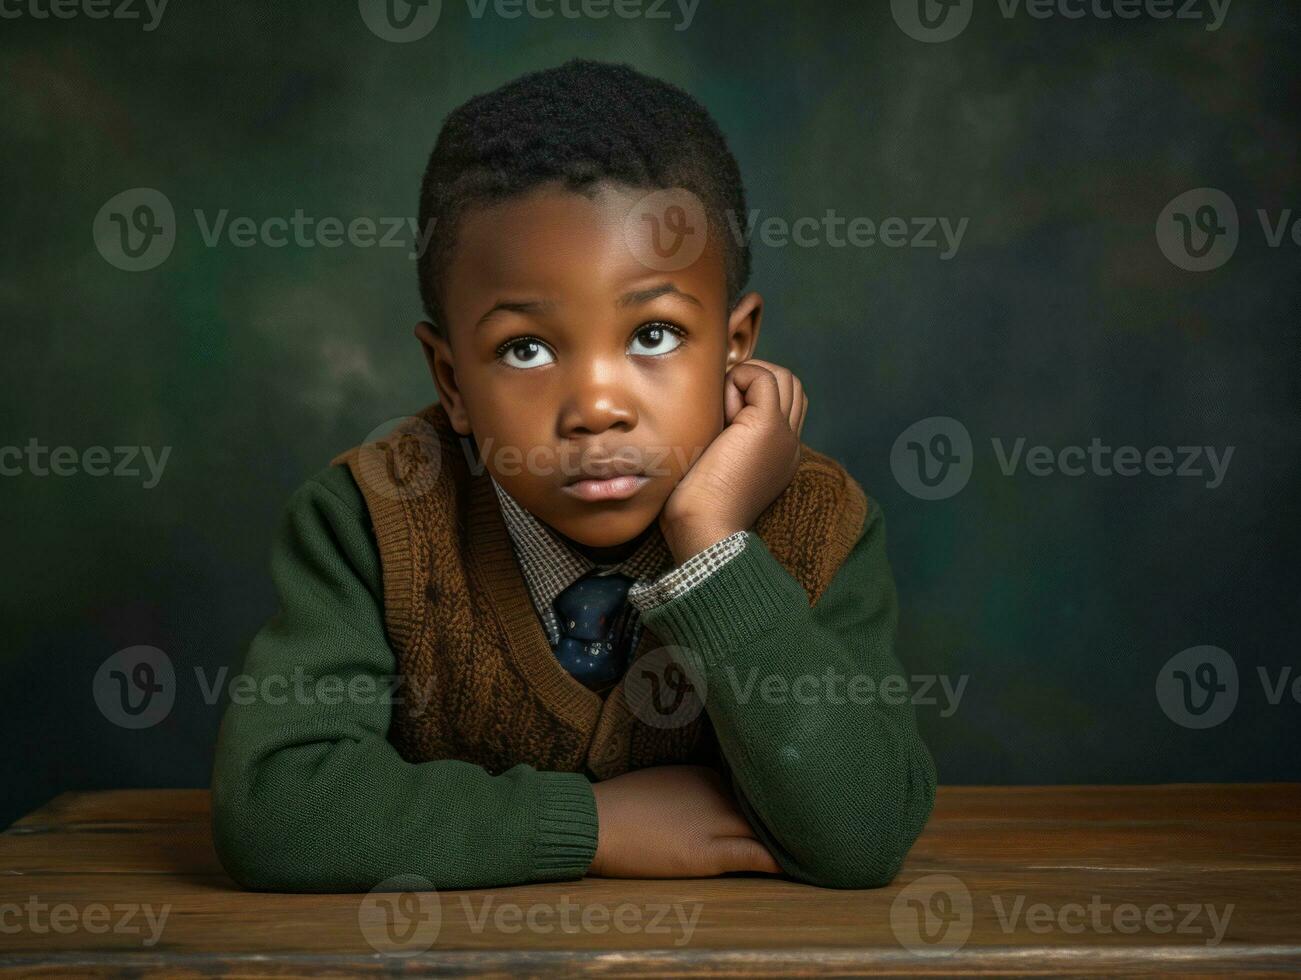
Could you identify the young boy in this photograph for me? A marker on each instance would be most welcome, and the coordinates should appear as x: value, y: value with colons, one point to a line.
x: 598, y: 610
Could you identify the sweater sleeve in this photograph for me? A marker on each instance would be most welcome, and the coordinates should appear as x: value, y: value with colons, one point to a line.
x: 308, y: 794
x: 811, y: 709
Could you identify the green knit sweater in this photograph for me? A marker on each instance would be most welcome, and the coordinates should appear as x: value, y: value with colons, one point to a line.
x: 808, y: 705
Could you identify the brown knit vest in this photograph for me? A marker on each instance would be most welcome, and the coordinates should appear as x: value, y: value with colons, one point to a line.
x: 469, y: 642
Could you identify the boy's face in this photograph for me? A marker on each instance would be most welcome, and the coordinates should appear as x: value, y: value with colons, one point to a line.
x: 565, y: 351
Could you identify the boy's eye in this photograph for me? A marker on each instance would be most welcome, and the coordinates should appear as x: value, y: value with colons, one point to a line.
x: 525, y: 352
x: 529, y: 352
x: 656, y: 338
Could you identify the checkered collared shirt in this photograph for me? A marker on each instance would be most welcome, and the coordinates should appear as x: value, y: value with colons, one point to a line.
x: 550, y: 566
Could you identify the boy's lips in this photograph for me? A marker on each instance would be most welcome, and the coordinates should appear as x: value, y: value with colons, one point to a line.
x: 607, y: 477
x: 610, y: 488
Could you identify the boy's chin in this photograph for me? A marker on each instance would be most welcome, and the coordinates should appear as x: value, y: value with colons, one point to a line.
x: 607, y: 530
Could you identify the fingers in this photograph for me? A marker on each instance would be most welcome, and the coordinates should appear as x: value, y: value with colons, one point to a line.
x: 785, y: 382
x: 770, y: 387
x: 758, y: 384
x: 733, y: 398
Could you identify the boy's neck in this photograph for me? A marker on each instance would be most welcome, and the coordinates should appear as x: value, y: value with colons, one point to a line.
x: 611, y: 555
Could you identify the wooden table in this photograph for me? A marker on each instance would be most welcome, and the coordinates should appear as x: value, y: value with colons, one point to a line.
x: 1074, y: 879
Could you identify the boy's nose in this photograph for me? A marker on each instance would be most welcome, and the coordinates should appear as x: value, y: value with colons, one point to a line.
x: 589, y: 412
x: 598, y: 399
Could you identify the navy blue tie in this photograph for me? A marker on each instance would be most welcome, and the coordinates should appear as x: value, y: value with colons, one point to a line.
x: 586, y: 613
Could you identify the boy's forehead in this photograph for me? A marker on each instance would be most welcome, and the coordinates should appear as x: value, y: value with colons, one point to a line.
x: 552, y: 237
x: 507, y: 235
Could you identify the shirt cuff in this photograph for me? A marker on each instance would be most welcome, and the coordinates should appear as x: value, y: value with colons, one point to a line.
x: 691, y: 573
x: 733, y: 608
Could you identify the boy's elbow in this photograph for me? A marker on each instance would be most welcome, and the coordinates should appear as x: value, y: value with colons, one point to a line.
x: 868, y: 852
x: 240, y: 857
x: 242, y: 835
x: 258, y: 834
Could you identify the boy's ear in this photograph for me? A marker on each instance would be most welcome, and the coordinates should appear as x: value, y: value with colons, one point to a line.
x: 438, y: 355
x: 743, y: 328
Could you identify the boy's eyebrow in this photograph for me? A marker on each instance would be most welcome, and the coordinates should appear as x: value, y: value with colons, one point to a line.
x: 639, y: 296
x: 529, y: 307
x: 634, y: 298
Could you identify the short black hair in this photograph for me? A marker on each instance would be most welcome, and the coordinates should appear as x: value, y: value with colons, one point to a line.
x: 581, y: 123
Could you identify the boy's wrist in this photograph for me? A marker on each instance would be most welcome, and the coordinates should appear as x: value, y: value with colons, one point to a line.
x: 686, y: 539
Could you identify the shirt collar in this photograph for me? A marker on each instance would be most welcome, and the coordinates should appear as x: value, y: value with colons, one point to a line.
x: 551, y: 565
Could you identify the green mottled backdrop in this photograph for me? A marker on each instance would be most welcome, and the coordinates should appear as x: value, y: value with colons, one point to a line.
x: 1054, y: 603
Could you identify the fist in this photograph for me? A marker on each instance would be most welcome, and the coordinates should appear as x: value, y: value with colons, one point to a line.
x: 746, y: 467
x: 673, y: 822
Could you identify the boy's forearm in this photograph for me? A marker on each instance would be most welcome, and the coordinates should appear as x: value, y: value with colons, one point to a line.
x: 836, y: 784
x: 344, y: 815
x: 309, y: 794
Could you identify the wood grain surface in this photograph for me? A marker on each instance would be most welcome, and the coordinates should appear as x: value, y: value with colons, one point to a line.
x: 1009, y: 880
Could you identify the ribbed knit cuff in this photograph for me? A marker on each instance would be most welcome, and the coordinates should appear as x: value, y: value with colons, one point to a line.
x: 567, y: 827
x: 733, y: 606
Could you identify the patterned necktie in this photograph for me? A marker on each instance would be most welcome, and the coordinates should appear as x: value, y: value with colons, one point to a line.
x: 586, y: 613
